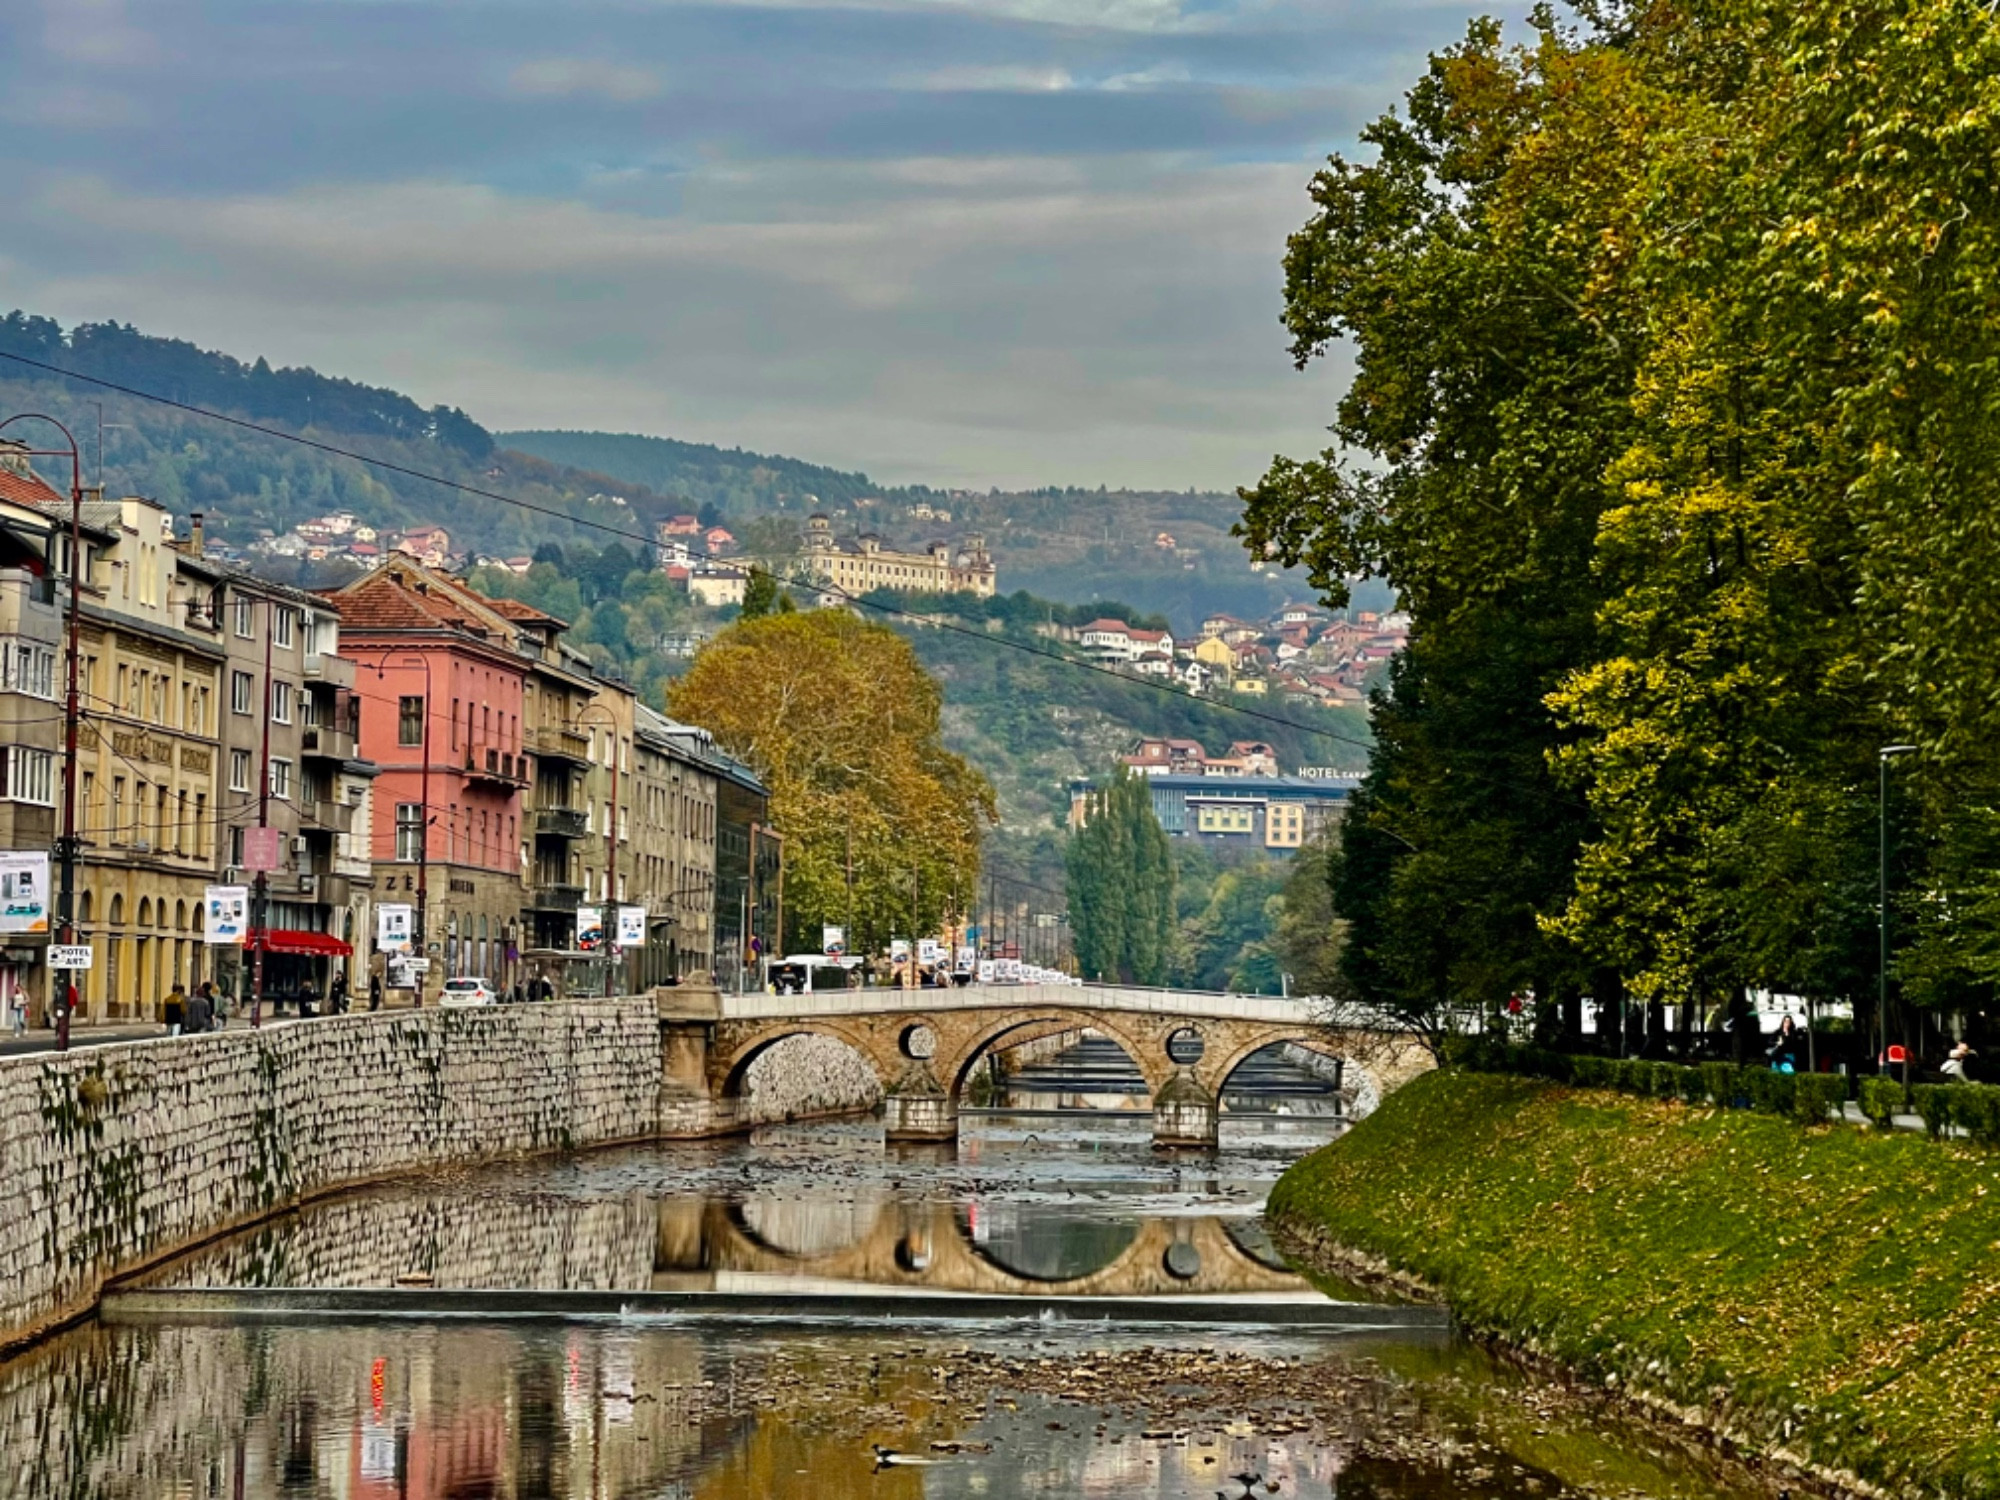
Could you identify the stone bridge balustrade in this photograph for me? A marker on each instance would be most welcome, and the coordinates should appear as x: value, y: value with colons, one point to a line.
x: 923, y: 1045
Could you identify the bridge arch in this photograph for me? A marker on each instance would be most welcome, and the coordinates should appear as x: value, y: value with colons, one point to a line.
x: 1367, y: 1086
x: 730, y: 1073
x: 1040, y: 1022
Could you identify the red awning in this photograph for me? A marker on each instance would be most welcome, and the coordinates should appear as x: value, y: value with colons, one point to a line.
x: 290, y: 940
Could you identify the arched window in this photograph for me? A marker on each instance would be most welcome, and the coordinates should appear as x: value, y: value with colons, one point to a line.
x: 117, y: 909
x: 145, y: 911
x: 180, y: 917
x: 84, y: 909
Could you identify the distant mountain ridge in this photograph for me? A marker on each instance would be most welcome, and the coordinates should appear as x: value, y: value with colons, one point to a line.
x: 733, y: 479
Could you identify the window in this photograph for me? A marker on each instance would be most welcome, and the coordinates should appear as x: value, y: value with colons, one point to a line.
x: 200, y: 824
x: 28, y: 776
x: 240, y: 695
x: 246, y: 618
x: 409, y: 830
x: 239, y: 770
x: 116, y: 828
x: 410, y: 721
x: 281, y: 779
x: 624, y: 823
x: 281, y: 625
x: 27, y: 668
x: 308, y: 710
x: 281, y: 703
x: 236, y: 846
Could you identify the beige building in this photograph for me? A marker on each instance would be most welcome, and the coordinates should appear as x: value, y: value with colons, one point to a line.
x: 675, y: 827
x: 863, y: 564
x: 148, y: 753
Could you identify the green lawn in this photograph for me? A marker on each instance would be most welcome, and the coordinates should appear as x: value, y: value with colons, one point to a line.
x: 1829, y: 1291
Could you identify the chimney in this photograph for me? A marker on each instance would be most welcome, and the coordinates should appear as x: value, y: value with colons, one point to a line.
x: 194, y: 533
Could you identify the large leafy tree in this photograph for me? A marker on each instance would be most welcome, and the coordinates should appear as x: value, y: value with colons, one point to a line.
x: 1492, y: 369
x: 842, y: 722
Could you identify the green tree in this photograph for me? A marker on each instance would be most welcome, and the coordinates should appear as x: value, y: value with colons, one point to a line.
x: 1121, y: 885
x: 760, y: 595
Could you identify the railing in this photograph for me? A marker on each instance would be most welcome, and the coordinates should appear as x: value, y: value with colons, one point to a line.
x: 557, y: 897
x: 560, y: 822
x: 338, y: 817
x: 561, y: 740
x: 329, y: 743
x: 496, y: 765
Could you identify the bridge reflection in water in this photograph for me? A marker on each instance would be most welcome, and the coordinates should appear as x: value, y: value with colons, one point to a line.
x: 1007, y: 1249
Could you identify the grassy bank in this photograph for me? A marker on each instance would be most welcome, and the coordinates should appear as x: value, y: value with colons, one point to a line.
x: 1826, y: 1293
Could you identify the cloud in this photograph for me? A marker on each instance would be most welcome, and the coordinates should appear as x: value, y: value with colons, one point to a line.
x: 1002, y: 77
x: 1076, y: 321
x: 571, y: 77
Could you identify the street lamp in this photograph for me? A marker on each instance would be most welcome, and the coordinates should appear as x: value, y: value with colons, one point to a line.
x: 66, y: 847
x: 423, y: 812
x: 1883, y: 757
x: 611, y: 901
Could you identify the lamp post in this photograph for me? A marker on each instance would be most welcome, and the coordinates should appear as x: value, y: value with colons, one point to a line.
x: 423, y: 811
x: 610, y: 848
x: 1883, y: 757
x: 66, y: 847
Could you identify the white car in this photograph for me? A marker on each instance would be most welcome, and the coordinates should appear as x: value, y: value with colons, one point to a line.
x: 469, y: 992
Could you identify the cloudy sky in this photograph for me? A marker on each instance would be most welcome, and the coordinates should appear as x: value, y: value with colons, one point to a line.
x: 1013, y: 242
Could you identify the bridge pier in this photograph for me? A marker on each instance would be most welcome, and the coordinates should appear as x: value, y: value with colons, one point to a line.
x: 1185, y: 1114
x: 916, y: 1107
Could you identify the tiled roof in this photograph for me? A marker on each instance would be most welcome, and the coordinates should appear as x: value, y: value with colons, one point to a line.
x: 28, y: 489
x: 515, y: 609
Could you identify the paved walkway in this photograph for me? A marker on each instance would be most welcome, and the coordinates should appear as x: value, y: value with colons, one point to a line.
x: 43, y: 1039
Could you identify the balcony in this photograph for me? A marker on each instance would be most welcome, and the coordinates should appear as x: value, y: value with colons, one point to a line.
x: 565, y: 898
x: 561, y: 742
x: 501, y: 770
x: 559, y: 822
x: 327, y: 816
x: 325, y: 743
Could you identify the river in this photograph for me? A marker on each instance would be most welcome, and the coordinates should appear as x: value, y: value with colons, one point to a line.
x: 1051, y: 1308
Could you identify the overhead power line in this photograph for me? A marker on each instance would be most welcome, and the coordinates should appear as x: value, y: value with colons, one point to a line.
x: 408, y: 472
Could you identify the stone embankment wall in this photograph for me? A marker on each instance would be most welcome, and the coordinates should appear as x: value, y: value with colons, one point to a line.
x: 111, y: 1156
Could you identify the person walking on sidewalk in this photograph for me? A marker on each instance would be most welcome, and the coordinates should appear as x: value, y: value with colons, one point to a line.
x: 374, y: 991
x: 176, y: 1009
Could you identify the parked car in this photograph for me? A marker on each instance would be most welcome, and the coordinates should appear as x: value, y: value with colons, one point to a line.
x: 469, y: 992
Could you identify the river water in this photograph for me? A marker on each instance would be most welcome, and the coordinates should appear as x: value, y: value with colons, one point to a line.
x: 850, y: 1330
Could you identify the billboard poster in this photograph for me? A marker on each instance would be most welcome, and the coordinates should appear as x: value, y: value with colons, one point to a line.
x: 226, y: 914
x: 967, y: 957
x: 899, y: 950
x: 395, y: 923
x: 988, y: 969
x: 24, y: 892
x: 832, y: 940
x: 590, y: 928
x: 928, y: 951
x: 1010, y: 971
x: 631, y: 926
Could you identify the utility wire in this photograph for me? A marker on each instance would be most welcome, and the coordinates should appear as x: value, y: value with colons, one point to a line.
x: 608, y: 529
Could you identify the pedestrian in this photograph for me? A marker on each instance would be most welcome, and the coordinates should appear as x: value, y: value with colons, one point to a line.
x: 374, y: 991
x: 518, y: 993
x: 308, y: 997
x: 336, y: 995
x: 17, y: 1012
x: 176, y: 1009
x: 199, y: 1011
x: 1958, y: 1066
x: 1785, y: 1047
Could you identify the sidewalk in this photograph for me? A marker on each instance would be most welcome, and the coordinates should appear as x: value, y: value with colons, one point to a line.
x: 100, y: 1034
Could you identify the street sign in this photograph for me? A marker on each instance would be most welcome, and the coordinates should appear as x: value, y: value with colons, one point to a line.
x: 417, y: 965
x: 226, y: 916
x: 66, y: 956
x: 263, y: 850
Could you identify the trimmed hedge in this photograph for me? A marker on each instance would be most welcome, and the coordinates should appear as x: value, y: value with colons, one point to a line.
x: 1809, y: 1098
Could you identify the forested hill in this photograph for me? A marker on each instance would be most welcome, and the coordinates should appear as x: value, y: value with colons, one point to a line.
x: 733, y: 479
x: 181, y: 371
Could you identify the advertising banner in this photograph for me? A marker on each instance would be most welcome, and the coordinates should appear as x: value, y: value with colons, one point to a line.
x: 24, y: 892
x: 832, y: 940
x: 395, y: 925
x: 1010, y: 971
x: 928, y: 951
x: 631, y: 926
x: 967, y: 957
x: 226, y: 914
x: 987, y: 970
x: 590, y: 928
x: 899, y: 950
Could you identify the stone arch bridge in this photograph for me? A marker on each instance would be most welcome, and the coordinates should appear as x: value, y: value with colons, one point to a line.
x: 924, y: 1045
